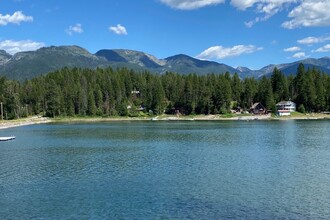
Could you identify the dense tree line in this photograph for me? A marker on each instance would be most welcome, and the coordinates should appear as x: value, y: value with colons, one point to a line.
x: 108, y: 92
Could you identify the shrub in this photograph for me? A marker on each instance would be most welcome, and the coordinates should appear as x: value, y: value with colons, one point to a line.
x: 301, y: 108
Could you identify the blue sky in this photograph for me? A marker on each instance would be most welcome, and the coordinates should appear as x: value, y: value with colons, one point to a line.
x: 251, y: 33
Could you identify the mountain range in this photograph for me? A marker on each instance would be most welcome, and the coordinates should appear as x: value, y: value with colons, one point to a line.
x: 26, y: 65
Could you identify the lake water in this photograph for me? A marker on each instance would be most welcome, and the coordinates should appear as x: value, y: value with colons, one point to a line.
x: 167, y: 170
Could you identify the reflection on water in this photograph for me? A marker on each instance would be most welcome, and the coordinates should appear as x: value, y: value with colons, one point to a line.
x: 167, y: 170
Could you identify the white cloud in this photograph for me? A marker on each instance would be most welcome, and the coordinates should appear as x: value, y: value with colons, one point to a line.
x: 325, y: 48
x: 16, y: 18
x: 299, y: 55
x: 313, y: 40
x: 12, y: 47
x: 191, y: 4
x: 292, y: 49
x: 220, y: 52
x: 249, y: 24
x: 243, y: 4
x: 119, y: 29
x: 310, y: 13
x: 306, y: 13
x: 267, y: 8
x: 77, y: 28
x: 262, y: 6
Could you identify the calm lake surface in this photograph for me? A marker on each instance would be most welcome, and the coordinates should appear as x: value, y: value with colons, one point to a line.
x: 167, y: 170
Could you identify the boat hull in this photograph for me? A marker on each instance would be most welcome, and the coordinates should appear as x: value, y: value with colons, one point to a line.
x: 7, y: 138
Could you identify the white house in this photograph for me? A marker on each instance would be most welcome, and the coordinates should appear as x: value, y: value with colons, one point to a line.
x: 284, y: 108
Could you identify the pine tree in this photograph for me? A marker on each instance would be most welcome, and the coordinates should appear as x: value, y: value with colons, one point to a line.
x: 279, y: 85
x: 310, y: 91
x: 249, y: 92
x: 53, y: 99
x: 265, y: 93
x: 236, y: 87
x: 158, y: 96
x: 91, y: 109
x: 320, y: 100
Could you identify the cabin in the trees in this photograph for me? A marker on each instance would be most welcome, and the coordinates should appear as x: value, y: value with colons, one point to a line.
x: 258, y: 109
x: 284, y: 108
x: 135, y: 94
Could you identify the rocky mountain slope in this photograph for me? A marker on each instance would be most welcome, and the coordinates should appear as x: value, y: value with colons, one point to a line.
x: 26, y: 65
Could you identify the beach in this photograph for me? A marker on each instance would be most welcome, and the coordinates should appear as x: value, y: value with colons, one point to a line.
x: 41, y: 120
x: 4, y: 124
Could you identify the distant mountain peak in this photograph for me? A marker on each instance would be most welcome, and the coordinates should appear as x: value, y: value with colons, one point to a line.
x: 4, y: 57
x: 28, y: 64
x: 3, y: 52
x: 72, y: 49
x: 179, y: 56
x: 110, y: 55
x: 131, y: 56
x: 25, y: 65
x: 184, y: 57
x: 154, y: 59
x: 243, y: 69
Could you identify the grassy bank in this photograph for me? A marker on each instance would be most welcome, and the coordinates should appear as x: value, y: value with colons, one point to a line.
x: 302, y: 116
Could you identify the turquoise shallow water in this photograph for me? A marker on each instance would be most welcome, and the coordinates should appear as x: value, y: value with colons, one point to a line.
x: 167, y: 170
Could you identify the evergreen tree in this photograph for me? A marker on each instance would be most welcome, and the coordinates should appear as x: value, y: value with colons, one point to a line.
x: 91, y: 109
x: 236, y: 87
x: 83, y: 95
x: 279, y: 85
x: 265, y: 93
x: 320, y: 100
x: 53, y: 98
x: 310, y: 91
x: 188, y: 98
x: 158, y: 103
x: 301, y: 85
x: 327, y: 93
x: 69, y: 92
x: 249, y: 92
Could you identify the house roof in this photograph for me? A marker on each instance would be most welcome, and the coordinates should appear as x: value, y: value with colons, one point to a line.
x: 285, y: 103
x: 256, y: 104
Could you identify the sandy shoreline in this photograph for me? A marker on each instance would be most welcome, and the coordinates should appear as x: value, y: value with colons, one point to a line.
x: 23, y: 122
x: 41, y: 120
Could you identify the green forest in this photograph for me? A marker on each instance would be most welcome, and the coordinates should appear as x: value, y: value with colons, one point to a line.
x: 124, y: 92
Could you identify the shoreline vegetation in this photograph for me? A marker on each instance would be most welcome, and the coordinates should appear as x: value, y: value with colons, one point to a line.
x: 127, y: 93
x: 5, y: 124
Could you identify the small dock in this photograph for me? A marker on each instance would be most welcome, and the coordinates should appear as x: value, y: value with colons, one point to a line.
x: 7, y: 138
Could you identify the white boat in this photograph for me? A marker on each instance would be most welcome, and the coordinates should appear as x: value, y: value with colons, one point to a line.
x: 7, y: 138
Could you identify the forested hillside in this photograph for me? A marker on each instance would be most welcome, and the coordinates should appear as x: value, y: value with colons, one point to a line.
x: 27, y: 65
x: 124, y: 92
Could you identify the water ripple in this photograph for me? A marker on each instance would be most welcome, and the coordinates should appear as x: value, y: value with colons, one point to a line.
x: 167, y: 170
